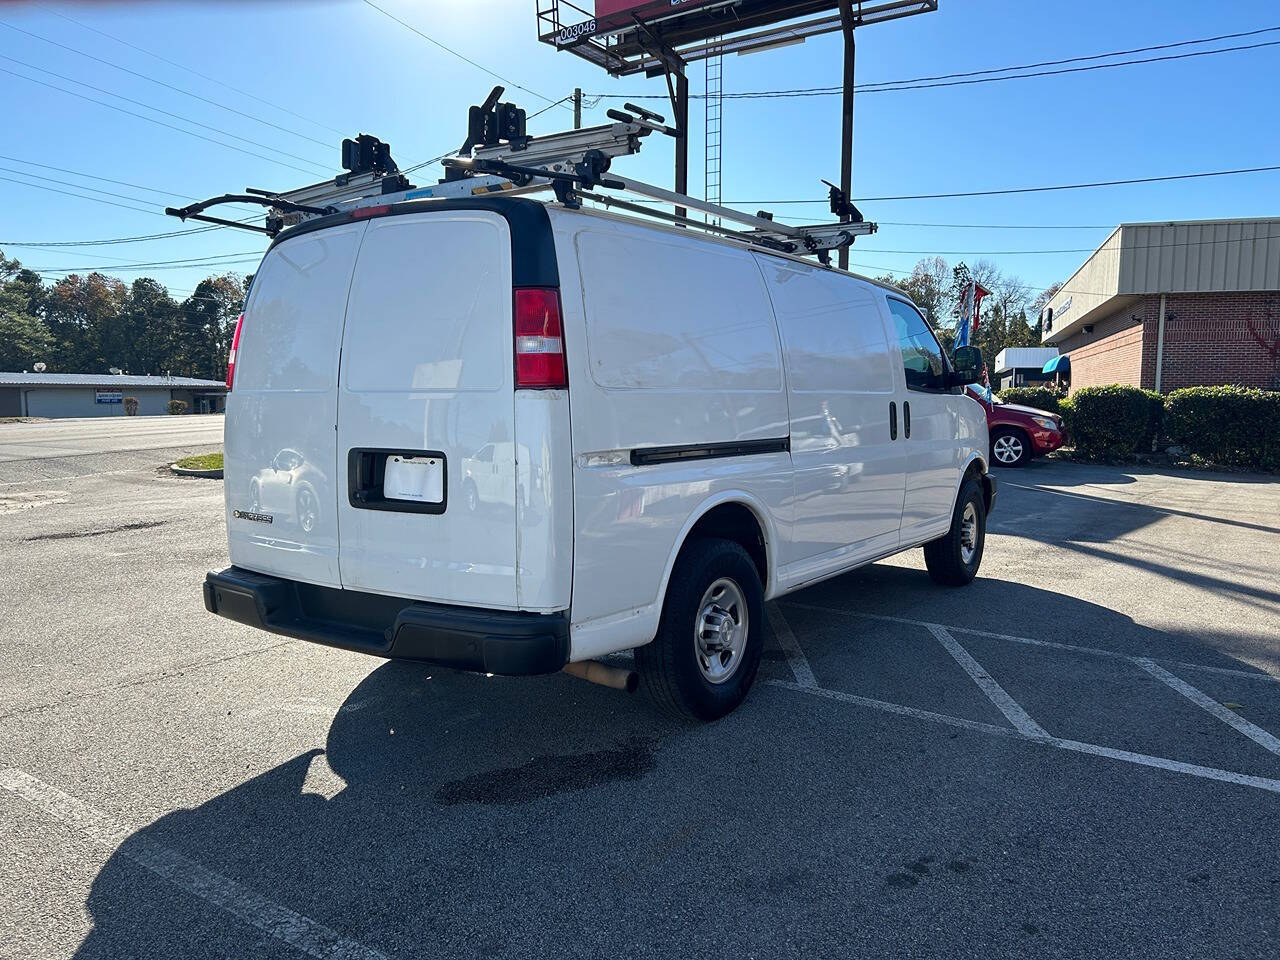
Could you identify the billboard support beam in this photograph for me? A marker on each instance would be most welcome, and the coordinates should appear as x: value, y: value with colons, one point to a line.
x: 678, y: 92
x: 846, y: 111
x: 682, y: 141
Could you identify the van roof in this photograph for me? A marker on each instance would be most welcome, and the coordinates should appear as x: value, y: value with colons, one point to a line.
x: 533, y: 249
x: 724, y: 241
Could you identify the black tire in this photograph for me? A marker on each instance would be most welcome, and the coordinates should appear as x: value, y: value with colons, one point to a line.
x: 1009, y: 442
x: 671, y: 671
x: 945, y: 557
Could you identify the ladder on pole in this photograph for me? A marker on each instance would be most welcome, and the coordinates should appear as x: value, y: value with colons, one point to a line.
x: 713, y: 126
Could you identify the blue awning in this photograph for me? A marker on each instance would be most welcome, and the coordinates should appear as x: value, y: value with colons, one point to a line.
x: 1059, y: 364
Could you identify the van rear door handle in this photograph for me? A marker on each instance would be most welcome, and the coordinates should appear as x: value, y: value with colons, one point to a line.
x: 906, y: 418
x: 893, y: 420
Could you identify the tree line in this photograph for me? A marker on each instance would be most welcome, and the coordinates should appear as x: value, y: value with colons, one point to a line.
x: 1010, y: 316
x: 91, y: 323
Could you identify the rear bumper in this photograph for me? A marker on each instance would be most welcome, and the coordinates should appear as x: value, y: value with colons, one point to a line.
x: 465, y: 638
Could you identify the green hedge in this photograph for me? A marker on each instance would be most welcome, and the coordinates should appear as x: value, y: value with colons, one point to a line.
x: 1112, y: 423
x: 1238, y: 426
x: 1042, y: 398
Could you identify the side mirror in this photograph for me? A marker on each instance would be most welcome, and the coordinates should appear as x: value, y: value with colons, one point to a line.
x: 967, y: 362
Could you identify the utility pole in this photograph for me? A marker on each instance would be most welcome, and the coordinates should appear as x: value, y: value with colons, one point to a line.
x: 846, y: 127
x: 682, y: 141
x: 577, y: 108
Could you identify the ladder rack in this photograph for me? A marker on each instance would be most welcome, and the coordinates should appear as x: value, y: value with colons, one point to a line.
x: 498, y: 156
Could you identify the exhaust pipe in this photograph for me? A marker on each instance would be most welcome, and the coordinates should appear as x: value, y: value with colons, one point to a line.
x: 594, y: 671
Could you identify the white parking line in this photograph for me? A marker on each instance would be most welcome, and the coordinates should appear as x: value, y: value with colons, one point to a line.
x: 1029, y: 641
x: 1073, y: 746
x: 897, y: 708
x: 987, y: 684
x: 280, y: 922
x: 790, y: 646
x: 1208, y: 704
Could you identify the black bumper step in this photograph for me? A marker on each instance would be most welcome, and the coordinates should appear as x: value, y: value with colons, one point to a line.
x: 465, y: 638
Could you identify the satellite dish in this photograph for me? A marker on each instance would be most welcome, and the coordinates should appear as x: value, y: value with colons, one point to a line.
x: 38, y: 367
x: 114, y: 371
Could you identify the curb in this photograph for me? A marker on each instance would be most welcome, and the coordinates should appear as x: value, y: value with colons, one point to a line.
x: 203, y: 474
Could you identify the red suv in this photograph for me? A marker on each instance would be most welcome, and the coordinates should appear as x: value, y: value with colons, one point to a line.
x: 1017, y: 433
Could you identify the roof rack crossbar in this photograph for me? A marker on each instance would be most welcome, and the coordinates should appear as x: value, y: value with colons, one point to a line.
x: 500, y: 157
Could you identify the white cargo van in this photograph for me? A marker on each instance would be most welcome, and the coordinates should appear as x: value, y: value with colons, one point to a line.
x: 505, y: 436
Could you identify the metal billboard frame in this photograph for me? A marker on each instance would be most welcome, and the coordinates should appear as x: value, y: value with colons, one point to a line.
x: 665, y: 45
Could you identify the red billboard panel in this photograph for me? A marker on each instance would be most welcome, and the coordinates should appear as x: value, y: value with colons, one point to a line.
x: 611, y: 14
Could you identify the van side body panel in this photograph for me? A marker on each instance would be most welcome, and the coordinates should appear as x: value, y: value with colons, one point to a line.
x: 948, y: 431
x: 670, y: 343
x: 849, y: 468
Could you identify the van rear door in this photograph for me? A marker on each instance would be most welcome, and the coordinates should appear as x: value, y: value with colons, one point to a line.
x: 427, y: 377
x: 280, y: 454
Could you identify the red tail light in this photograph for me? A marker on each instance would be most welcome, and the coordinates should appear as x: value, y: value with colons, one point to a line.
x: 539, y: 339
x: 231, y: 357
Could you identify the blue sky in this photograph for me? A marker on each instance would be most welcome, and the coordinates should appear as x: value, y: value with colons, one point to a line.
x: 350, y: 68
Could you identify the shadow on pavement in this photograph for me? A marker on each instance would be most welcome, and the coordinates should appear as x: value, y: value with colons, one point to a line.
x: 454, y: 815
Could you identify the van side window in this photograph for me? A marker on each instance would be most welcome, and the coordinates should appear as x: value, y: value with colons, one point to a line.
x: 921, y: 356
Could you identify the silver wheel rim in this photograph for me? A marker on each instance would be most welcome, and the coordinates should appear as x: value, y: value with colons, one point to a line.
x: 968, y: 533
x: 1007, y: 449
x: 720, y: 630
x: 307, y: 510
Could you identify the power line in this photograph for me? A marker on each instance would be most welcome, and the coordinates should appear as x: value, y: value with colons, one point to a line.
x: 1094, y: 56
x: 1136, y: 246
x: 548, y: 107
x: 455, y: 53
x: 160, y: 265
x: 169, y: 86
x: 78, y: 186
x: 102, y: 243
x: 183, y: 66
x: 81, y: 196
x: 147, y: 106
x: 90, y: 176
x: 956, y: 79
x: 1045, y: 189
x: 188, y: 261
x: 764, y: 95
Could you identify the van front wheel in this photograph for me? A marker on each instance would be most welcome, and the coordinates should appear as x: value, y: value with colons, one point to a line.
x: 953, y: 560
x: 707, y: 651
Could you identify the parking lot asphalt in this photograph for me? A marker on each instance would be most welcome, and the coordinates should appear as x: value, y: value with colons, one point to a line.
x: 1074, y: 756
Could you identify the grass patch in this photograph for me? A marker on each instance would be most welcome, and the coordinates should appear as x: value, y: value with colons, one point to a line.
x: 206, y: 461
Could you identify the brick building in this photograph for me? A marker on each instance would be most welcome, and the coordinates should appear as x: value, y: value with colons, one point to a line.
x: 1169, y: 305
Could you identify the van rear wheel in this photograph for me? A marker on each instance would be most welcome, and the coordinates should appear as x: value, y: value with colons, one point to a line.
x: 953, y: 560
x: 707, y: 650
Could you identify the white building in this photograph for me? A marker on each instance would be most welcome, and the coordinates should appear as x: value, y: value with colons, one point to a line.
x: 102, y: 395
x: 1022, y: 367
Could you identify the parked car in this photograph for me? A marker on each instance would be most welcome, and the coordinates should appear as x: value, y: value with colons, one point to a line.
x: 1018, y: 433
x: 287, y: 487
x: 709, y: 425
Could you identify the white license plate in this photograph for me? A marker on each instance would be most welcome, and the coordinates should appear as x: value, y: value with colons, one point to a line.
x: 420, y: 479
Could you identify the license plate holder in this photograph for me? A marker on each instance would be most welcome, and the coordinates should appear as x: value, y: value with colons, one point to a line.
x: 416, y: 479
